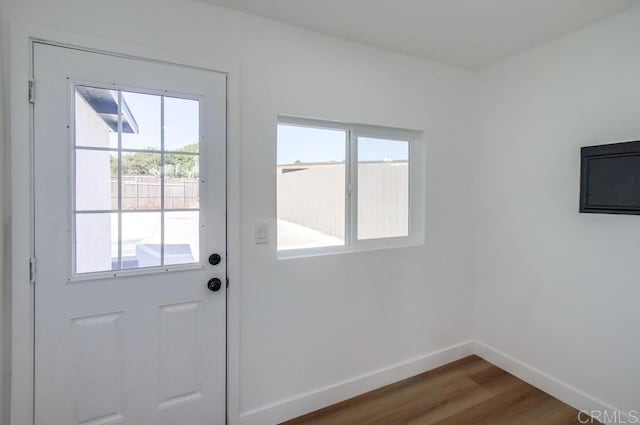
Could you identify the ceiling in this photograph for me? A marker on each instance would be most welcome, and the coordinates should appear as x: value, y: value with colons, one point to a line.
x: 464, y: 33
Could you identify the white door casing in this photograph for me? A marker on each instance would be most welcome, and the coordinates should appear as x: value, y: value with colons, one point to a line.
x: 137, y: 346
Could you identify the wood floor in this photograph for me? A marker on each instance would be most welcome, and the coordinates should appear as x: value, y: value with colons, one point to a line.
x: 470, y: 391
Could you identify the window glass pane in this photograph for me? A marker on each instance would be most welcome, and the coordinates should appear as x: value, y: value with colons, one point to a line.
x: 141, y: 238
x: 311, y: 187
x: 182, y: 237
x: 383, y: 188
x: 141, y: 121
x: 96, y: 172
x: 96, y: 242
x: 141, y: 180
x: 181, y: 186
x: 181, y: 124
x: 119, y: 167
x: 96, y: 117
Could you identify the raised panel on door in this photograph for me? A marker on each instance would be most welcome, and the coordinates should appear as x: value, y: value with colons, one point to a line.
x: 180, y: 351
x: 98, y: 361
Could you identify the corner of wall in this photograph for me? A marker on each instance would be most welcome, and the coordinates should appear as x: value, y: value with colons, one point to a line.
x: 539, y: 107
x: 317, y: 399
x: 4, y: 276
x: 562, y: 391
x: 472, y: 130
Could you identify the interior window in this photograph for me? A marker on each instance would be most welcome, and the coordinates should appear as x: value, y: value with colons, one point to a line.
x: 344, y: 186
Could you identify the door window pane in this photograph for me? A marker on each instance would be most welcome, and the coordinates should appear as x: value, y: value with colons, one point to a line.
x: 181, y: 124
x: 130, y: 169
x: 181, y: 187
x: 311, y: 187
x: 141, y: 240
x: 383, y: 188
x: 141, y: 181
x: 95, y: 172
x: 141, y: 121
x: 96, y: 117
x: 96, y: 242
x: 182, y: 237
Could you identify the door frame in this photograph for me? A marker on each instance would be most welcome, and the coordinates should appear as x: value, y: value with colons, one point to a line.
x: 22, y: 37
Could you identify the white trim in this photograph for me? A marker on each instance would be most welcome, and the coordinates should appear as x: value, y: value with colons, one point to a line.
x: 378, y: 131
x: 317, y: 399
x: 304, y: 403
x: 73, y: 275
x: 555, y: 387
x: 350, y: 200
x: 21, y: 37
x: 381, y: 244
x: 388, y: 134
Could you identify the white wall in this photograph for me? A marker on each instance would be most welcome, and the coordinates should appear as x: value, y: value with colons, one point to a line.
x: 4, y: 282
x: 556, y: 289
x: 311, y: 323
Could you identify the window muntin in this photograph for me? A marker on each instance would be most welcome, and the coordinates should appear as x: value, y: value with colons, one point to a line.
x: 383, y: 196
x: 136, y: 199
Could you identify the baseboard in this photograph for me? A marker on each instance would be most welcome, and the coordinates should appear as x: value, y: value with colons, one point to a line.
x: 558, y: 389
x: 296, y: 406
x: 299, y: 405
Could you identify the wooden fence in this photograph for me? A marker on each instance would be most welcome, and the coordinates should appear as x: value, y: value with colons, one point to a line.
x: 314, y: 197
x: 143, y: 192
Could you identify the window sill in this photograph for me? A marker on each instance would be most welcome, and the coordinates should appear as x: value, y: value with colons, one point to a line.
x: 362, y: 246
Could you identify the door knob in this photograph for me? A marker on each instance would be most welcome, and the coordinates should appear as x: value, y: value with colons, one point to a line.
x: 214, y: 284
x: 214, y: 259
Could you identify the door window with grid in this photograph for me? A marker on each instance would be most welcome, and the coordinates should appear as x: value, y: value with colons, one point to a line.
x: 136, y: 187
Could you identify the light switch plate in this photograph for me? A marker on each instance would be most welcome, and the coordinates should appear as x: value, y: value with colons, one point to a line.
x: 262, y: 233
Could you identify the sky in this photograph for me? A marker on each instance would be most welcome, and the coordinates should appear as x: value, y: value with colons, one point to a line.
x: 306, y: 144
x: 181, y: 122
x: 295, y: 143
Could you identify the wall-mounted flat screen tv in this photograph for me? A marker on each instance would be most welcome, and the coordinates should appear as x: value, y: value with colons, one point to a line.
x: 610, y: 179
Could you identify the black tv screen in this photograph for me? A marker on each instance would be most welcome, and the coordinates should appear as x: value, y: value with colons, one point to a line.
x: 610, y: 179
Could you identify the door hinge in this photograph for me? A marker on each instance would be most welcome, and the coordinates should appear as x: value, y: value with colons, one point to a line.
x: 227, y: 282
x: 32, y: 270
x: 32, y: 91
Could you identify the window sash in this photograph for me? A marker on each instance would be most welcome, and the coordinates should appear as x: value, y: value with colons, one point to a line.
x: 355, y: 131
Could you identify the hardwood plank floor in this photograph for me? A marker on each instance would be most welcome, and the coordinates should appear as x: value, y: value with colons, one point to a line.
x: 469, y: 391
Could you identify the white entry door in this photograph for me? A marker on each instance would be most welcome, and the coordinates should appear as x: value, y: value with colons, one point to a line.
x: 129, y: 176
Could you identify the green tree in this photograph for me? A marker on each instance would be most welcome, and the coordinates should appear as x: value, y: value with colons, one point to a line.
x: 148, y: 164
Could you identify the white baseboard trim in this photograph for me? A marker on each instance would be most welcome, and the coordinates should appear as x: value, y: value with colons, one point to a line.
x: 299, y: 405
x: 558, y: 389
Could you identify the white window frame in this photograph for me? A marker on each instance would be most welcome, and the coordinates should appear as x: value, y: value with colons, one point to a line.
x: 417, y: 187
x: 73, y: 274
